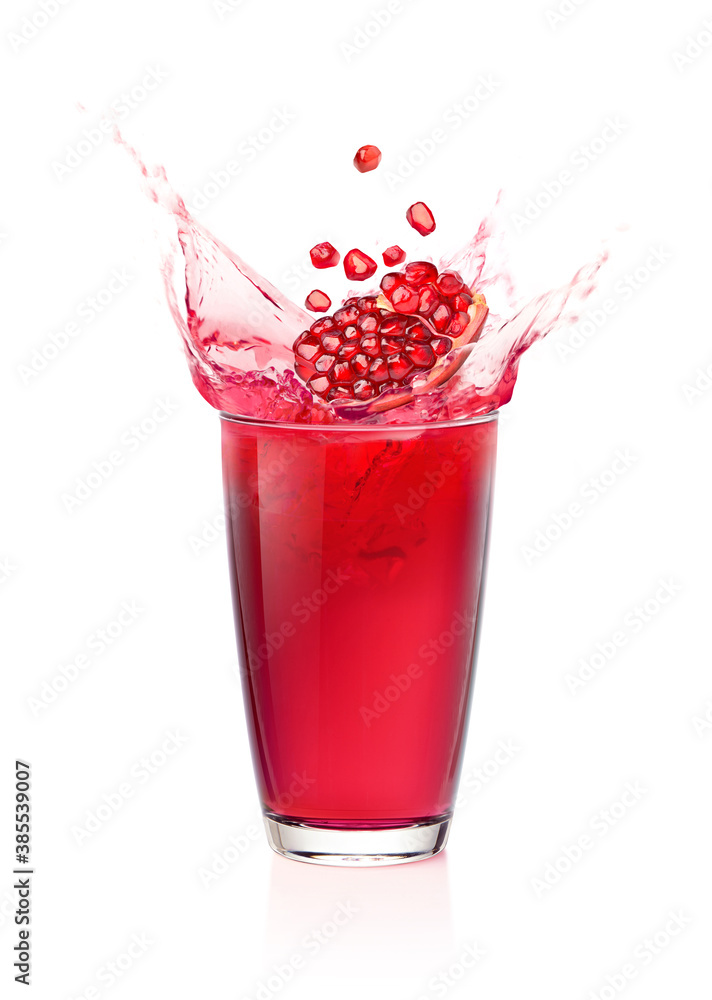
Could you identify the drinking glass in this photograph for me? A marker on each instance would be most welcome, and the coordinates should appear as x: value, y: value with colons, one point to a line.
x: 357, y: 558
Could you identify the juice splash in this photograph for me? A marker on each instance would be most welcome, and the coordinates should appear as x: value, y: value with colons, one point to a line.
x: 239, y: 330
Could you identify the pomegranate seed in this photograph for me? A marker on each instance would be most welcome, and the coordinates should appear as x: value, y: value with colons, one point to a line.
x: 421, y: 218
x: 418, y: 332
x: 348, y: 350
x: 331, y: 342
x: 391, y: 345
x: 359, y: 266
x: 450, y: 283
x: 350, y: 333
x: 364, y: 389
x: 318, y: 301
x: 378, y: 372
x: 390, y: 281
x: 404, y: 299
x: 461, y: 302
x: 342, y: 372
x: 399, y: 366
x: 324, y: 255
x: 367, y: 323
x: 441, y: 317
x: 325, y: 363
x: 307, y: 347
x: 421, y: 355
x: 340, y: 392
x: 322, y: 325
x: 370, y: 344
x: 346, y: 316
x: 420, y: 271
x: 459, y: 324
x: 319, y: 384
x: 367, y: 158
x: 429, y: 301
x: 392, y: 256
x: 394, y: 326
x: 368, y: 304
x: 360, y: 364
x: 441, y: 345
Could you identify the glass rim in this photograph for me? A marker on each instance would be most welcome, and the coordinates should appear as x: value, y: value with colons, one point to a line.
x: 480, y: 418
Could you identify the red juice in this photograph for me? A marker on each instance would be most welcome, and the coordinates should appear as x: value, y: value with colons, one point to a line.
x: 357, y: 557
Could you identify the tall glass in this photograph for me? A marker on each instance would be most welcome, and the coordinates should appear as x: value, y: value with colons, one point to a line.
x: 357, y: 558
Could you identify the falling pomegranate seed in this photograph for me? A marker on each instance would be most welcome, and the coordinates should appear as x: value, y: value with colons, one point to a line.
x: 367, y: 158
x: 324, y: 255
x: 359, y: 266
x: 421, y: 218
x: 393, y: 255
x: 318, y: 301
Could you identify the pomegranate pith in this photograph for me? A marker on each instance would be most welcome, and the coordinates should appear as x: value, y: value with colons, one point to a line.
x: 371, y: 345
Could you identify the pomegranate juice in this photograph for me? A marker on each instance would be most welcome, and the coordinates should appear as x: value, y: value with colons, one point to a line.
x: 357, y: 558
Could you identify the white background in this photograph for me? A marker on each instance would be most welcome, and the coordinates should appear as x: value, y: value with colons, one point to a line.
x: 640, y: 719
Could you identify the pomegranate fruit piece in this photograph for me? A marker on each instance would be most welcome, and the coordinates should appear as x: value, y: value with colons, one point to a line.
x: 377, y: 352
x: 421, y: 218
x: 324, y: 255
x: 392, y: 256
x: 317, y: 301
x: 367, y: 158
x: 359, y: 266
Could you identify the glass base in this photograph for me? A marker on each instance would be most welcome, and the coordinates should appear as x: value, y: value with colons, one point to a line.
x: 356, y: 848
